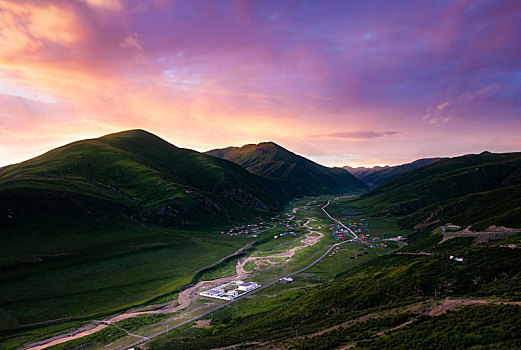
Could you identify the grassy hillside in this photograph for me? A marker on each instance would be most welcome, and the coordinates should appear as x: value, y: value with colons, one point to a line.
x: 93, y: 226
x: 132, y: 175
x: 398, y: 300
x: 378, y: 175
x: 480, y: 190
x: 300, y: 175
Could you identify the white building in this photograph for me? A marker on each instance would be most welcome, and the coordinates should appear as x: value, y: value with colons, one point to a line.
x: 247, y: 286
x: 213, y: 293
x: 232, y: 293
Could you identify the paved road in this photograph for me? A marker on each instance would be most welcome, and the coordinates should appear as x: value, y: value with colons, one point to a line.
x: 333, y: 246
x: 341, y: 224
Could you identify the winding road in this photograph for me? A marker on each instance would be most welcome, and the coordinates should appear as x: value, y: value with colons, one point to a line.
x: 341, y: 224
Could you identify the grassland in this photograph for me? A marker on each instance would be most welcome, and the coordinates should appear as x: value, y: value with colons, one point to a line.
x: 483, y: 327
x: 133, y: 266
x: 92, y: 341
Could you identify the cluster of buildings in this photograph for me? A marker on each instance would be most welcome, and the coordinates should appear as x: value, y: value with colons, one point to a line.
x: 247, y: 229
x: 340, y: 233
x: 367, y: 237
x: 361, y: 226
x: 253, y: 229
x: 230, y: 290
x: 286, y: 228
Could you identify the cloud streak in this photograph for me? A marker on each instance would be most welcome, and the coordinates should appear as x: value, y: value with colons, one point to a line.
x: 361, y: 134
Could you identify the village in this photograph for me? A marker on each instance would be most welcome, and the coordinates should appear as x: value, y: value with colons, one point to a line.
x: 359, y: 227
x: 286, y: 227
x: 252, y: 229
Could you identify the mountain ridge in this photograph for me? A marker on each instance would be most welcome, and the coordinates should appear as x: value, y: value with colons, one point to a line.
x: 486, y: 185
x: 301, y: 175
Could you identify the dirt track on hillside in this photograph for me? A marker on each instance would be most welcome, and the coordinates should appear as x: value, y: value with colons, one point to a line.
x: 432, y: 308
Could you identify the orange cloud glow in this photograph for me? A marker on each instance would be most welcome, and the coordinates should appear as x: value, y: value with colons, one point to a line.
x: 206, y: 75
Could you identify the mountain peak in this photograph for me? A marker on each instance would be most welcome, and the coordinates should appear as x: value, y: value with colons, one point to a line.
x: 129, y: 134
x: 302, y: 176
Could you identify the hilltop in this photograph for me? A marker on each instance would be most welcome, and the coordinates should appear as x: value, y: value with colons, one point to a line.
x: 378, y: 175
x: 302, y: 176
x: 132, y: 175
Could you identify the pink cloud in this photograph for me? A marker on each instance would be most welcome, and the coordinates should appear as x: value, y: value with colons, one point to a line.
x: 207, y: 74
x: 443, y: 106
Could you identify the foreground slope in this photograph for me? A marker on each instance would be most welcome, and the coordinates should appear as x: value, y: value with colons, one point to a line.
x: 378, y: 175
x: 300, y: 175
x: 478, y: 189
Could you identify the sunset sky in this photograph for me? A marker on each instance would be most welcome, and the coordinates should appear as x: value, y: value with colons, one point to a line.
x: 341, y: 82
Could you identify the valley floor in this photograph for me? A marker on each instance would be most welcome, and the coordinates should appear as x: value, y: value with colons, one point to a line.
x: 274, y: 258
x: 345, y: 294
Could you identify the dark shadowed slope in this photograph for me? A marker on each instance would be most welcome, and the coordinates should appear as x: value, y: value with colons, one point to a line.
x: 378, y: 175
x: 131, y: 175
x: 301, y: 175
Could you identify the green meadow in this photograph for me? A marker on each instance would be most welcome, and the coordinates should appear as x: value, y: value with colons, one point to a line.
x: 119, y: 269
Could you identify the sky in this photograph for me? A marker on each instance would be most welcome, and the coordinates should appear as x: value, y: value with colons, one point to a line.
x: 357, y: 83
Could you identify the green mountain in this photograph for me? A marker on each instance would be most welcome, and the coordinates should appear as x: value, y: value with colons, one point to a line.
x: 298, y: 174
x: 480, y: 190
x: 378, y: 175
x: 359, y: 296
x: 103, y: 224
x: 133, y: 175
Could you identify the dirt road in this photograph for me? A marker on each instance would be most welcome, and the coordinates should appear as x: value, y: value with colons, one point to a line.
x: 311, y: 238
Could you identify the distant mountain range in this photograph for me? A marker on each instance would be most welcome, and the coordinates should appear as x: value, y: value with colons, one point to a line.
x: 378, y: 175
x: 300, y: 176
x: 477, y: 189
